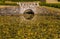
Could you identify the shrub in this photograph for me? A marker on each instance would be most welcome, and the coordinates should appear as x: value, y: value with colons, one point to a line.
x: 51, y: 5
x: 8, y: 3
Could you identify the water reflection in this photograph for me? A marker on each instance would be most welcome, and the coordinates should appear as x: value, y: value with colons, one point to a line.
x: 13, y: 27
x: 28, y: 14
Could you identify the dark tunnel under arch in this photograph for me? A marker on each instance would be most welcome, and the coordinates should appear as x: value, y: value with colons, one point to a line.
x: 28, y: 14
x: 28, y: 11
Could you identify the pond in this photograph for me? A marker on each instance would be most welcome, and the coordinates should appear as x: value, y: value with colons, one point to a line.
x: 41, y: 27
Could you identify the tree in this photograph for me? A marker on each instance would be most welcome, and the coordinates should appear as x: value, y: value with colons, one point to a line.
x: 3, y: 1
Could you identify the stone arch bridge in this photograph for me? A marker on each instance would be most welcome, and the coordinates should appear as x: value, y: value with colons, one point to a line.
x: 26, y: 6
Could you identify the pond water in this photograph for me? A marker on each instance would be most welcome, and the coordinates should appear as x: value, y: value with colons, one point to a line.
x: 41, y: 27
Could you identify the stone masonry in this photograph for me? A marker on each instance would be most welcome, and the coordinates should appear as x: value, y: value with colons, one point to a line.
x: 23, y: 6
x: 28, y: 5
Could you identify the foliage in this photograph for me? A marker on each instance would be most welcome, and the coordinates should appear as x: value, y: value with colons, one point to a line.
x: 56, y: 5
x: 19, y: 0
x: 12, y: 4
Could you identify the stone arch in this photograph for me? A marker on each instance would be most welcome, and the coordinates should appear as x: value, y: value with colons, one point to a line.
x: 28, y: 14
x: 28, y: 5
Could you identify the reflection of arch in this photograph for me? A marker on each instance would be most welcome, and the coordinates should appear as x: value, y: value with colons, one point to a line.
x: 28, y: 11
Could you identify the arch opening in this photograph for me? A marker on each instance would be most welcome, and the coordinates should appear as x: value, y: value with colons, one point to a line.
x: 28, y: 14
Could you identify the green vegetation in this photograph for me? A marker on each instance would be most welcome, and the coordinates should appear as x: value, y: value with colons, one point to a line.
x: 42, y: 27
x: 55, y: 5
x: 18, y: 0
x: 8, y: 3
x: 13, y: 2
x: 23, y: 0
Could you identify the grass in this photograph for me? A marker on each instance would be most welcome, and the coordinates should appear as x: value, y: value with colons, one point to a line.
x: 41, y: 27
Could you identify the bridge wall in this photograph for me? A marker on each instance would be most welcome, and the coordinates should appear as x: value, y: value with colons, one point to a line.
x: 15, y: 10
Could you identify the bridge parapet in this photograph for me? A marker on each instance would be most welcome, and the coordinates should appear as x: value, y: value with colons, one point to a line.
x: 28, y: 3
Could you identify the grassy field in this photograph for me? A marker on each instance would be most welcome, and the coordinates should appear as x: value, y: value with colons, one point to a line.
x: 40, y: 27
